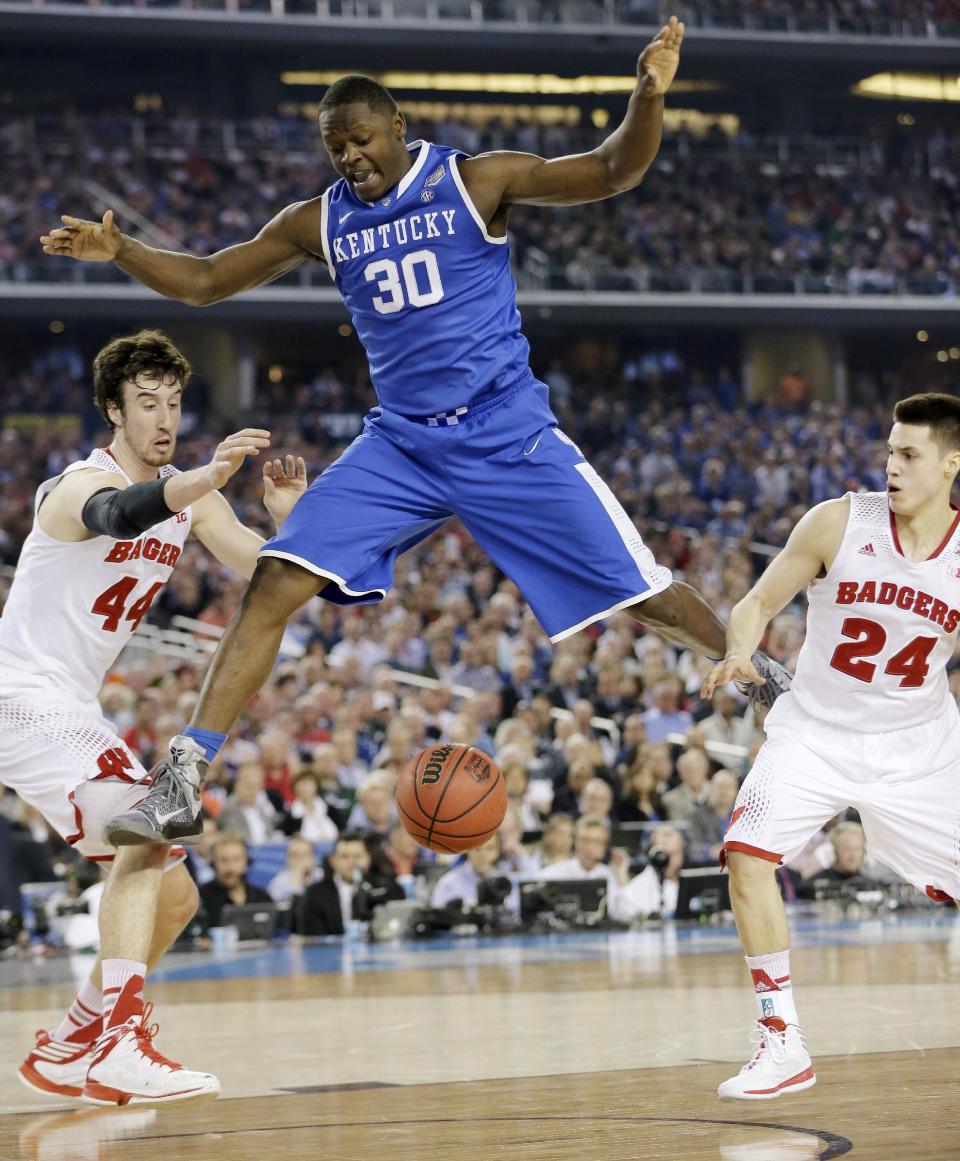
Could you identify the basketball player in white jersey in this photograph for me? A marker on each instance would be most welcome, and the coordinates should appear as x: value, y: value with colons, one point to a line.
x: 869, y: 722
x: 107, y: 533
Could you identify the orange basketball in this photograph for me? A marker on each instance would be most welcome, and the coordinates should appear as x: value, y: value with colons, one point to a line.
x: 451, y: 798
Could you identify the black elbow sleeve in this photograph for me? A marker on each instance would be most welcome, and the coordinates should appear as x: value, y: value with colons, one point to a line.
x: 128, y: 512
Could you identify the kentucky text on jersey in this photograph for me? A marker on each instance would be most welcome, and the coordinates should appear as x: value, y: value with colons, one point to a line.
x: 429, y: 289
x: 148, y: 547
x: 414, y: 227
x: 904, y: 597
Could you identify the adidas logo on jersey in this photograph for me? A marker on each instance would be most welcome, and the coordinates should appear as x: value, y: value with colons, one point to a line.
x: 867, y: 550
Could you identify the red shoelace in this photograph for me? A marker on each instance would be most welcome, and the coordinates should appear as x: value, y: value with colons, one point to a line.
x: 145, y: 1033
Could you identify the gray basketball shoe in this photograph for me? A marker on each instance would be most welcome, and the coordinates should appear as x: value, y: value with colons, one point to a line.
x: 778, y: 680
x: 170, y: 813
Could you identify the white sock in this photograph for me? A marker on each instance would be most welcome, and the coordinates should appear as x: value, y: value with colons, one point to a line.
x: 771, y: 983
x: 117, y: 977
x: 84, y: 1019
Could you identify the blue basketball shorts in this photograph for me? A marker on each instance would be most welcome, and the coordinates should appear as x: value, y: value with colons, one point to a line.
x: 521, y: 488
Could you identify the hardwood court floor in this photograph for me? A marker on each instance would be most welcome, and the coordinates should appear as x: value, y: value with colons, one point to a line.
x: 528, y: 1052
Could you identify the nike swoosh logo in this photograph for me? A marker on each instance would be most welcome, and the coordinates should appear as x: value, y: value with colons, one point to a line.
x: 343, y: 217
x: 165, y: 818
x: 530, y: 451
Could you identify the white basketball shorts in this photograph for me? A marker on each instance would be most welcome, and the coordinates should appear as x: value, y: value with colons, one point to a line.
x: 60, y: 755
x: 905, y: 784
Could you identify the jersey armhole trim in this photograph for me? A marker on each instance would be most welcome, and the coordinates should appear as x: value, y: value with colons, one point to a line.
x: 471, y: 208
x: 324, y: 240
x: 850, y: 497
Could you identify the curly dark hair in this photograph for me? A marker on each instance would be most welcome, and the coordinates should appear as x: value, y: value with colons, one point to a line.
x: 124, y: 358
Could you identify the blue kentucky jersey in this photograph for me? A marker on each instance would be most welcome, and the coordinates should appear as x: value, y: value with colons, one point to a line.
x: 430, y: 291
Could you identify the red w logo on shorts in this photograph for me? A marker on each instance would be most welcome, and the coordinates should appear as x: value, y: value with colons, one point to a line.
x: 112, y: 763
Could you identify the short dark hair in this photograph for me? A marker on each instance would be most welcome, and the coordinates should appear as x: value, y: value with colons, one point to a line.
x: 127, y: 357
x: 357, y: 89
x: 941, y: 413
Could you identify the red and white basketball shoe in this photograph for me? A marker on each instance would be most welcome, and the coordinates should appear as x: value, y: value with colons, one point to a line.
x: 780, y: 1064
x: 126, y: 1069
x: 56, y: 1067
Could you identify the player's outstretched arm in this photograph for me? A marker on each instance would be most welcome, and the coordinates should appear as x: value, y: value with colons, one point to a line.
x: 617, y: 164
x: 96, y: 503
x: 232, y: 543
x: 811, y: 549
x: 283, y: 243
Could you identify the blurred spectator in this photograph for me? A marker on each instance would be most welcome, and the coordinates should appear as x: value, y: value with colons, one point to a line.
x: 299, y: 871
x: 248, y: 812
x: 199, y: 855
x: 591, y: 838
x: 462, y: 882
x: 308, y: 811
x: 693, y: 767
x: 375, y: 805
x: 666, y: 715
x: 327, y: 906
x: 556, y: 843
x: 849, y: 853
x: 229, y: 884
x: 640, y: 800
x: 597, y: 800
x: 725, y: 724
x: 142, y: 737
x: 708, y: 822
x: 654, y: 891
x: 402, y: 851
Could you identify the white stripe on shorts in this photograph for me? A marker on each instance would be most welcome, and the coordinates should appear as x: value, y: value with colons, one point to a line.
x: 653, y: 573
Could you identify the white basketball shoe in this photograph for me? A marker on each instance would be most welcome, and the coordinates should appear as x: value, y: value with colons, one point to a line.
x: 780, y: 1064
x: 56, y: 1067
x: 126, y: 1069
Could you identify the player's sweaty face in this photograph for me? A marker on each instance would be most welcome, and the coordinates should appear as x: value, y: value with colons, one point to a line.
x: 151, y: 417
x: 915, y: 467
x: 366, y: 147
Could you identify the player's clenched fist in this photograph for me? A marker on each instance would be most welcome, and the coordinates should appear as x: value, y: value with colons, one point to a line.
x: 232, y: 451
x: 86, y: 241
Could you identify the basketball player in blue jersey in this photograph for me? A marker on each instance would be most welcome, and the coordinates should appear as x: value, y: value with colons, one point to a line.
x: 415, y: 237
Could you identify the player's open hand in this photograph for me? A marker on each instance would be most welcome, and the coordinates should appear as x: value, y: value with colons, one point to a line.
x: 283, y: 485
x: 232, y: 451
x: 730, y: 669
x: 660, y: 59
x: 85, y: 241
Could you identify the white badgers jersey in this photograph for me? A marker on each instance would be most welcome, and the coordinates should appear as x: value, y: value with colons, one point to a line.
x: 880, y: 628
x: 73, y: 606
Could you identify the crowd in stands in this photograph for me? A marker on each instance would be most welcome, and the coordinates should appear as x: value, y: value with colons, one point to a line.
x: 604, y: 730
x: 876, y: 216
x: 897, y: 17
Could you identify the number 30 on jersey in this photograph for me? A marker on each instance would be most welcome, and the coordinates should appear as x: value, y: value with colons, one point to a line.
x: 416, y: 280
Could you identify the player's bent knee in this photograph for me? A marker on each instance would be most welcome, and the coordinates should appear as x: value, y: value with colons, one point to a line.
x: 662, y: 609
x: 179, y: 899
x: 747, y: 870
x: 129, y: 860
x: 278, y: 588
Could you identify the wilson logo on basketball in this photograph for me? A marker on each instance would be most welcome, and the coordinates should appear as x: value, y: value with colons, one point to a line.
x: 434, y: 768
